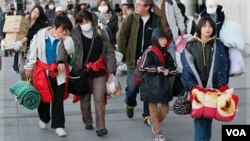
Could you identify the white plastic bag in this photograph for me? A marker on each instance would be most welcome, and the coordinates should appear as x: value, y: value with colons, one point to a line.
x: 118, y: 57
x: 237, y: 64
x: 121, y: 69
x: 231, y: 35
x: 113, y: 87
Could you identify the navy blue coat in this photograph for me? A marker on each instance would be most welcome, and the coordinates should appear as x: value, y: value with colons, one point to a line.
x: 219, y: 65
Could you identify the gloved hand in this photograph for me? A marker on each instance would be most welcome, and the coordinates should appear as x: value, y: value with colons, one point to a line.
x: 3, y: 45
x: 17, y: 45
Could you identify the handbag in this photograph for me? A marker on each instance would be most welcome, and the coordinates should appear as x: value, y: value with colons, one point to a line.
x: 182, y: 105
x: 80, y: 85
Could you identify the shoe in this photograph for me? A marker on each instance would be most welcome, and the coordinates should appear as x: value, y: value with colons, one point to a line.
x: 42, y: 125
x: 147, y: 121
x: 130, y: 112
x: 61, y: 132
x: 160, y: 137
x: 89, y: 127
x: 16, y: 71
x: 102, y: 132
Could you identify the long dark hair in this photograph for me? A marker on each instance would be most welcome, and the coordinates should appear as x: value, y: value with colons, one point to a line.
x: 42, y: 18
x: 202, y: 22
x: 84, y: 15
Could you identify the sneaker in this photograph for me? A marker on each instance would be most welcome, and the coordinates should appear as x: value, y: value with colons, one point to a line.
x: 130, y: 112
x: 42, y: 125
x: 160, y: 137
x: 61, y: 132
x: 147, y: 121
x: 89, y: 127
x: 102, y: 132
x: 16, y: 71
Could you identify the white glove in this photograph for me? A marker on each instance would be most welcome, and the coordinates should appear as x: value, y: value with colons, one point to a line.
x: 2, y: 45
x: 17, y: 45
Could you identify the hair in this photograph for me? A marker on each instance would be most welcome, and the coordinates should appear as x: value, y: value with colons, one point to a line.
x: 42, y: 17
x: 62, y: 20
x: 84, y: 15
x: 202, y: 22
x: 156, y: 34
x: 107, y: 3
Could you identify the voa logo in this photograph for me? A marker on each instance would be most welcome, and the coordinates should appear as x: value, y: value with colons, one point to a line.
x: 236, y: 132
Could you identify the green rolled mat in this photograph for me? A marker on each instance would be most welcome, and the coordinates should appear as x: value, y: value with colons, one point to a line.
x: 27, y: 95
x: 17, y: 85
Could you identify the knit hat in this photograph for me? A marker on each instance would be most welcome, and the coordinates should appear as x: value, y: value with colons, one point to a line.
x: 211, y: 6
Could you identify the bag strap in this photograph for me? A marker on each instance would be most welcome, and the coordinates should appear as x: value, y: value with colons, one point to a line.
x: 159, y: 54
x: 91, y: 46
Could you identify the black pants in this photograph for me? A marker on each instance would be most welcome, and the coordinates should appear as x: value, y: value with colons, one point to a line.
x: 57, y: 111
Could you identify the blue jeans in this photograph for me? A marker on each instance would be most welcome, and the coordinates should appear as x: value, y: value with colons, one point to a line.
x: 131, y: 91
x: 203, y: 129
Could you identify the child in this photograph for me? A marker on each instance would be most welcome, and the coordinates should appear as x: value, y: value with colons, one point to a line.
x: 49, y: 74
x: 155, y: 67
x: 205, y: 65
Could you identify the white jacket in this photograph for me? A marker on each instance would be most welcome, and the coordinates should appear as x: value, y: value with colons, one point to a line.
x: 175, y: 19
x: 37, y: 48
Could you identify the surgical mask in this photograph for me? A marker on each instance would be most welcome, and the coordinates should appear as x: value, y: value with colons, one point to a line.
x: 51, y: 7
x: 86, y: 27
x: 103, y: 9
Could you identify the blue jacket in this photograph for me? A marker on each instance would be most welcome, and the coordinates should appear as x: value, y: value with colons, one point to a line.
x: 217, y: 59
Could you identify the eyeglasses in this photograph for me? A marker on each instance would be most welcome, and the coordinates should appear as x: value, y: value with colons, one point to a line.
x: 137, y: 4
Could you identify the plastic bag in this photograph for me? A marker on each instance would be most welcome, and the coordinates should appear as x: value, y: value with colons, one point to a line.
x: 237, y: 66
x: 121, y: 69
x: 118, y: 57
x: 113, y: 86
x: 231, y: 35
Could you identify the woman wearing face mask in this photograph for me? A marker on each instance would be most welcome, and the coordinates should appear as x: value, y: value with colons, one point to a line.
x: 100, y: 63
x: 107, y: 19
x: 50, y: 13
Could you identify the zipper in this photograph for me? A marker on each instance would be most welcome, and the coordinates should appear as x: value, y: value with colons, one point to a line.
x: 203, y: 54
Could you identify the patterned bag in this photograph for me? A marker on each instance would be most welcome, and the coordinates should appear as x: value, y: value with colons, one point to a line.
x: 182, y: 105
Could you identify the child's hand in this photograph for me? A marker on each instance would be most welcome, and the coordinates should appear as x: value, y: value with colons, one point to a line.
x: 165, y: 72
x: 160, y: 69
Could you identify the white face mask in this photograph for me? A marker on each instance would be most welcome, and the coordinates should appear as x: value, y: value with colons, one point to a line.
x: 103, y: 9
x: 86, y: 27
x: 51, y: 7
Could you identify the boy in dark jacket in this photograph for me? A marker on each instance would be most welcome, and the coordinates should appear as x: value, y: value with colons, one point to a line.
x: 156, y: 66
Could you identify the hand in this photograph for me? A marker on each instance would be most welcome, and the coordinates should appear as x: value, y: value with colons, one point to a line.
x: 61, y: 67
x: 29, y: 73
x: 160, y: 69
x: 165, y: 72
x: 3, y: 45
x: 17, y: 45
x: 182, y: 33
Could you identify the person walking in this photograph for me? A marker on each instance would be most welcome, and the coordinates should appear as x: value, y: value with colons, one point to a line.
x: 205, y: 62
x: 134, y: 37
x: 50, y: 12
x: 107, y: 19
x: 98, y: 60
x: 49, y: 76
x: 213, y: 10
x: 37, y: 21
x: 156, y: 66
